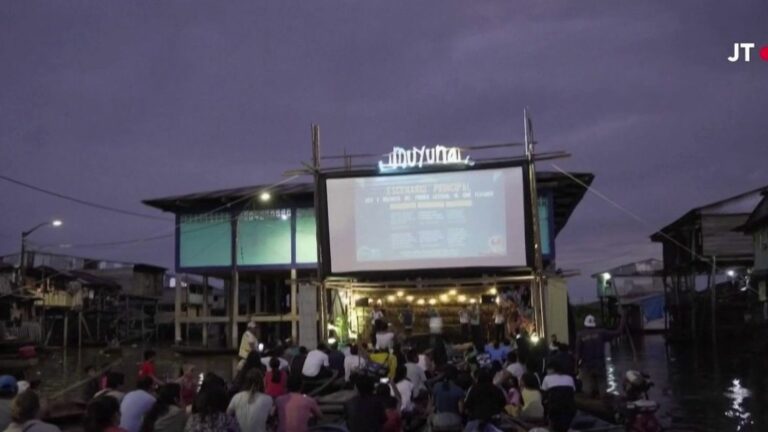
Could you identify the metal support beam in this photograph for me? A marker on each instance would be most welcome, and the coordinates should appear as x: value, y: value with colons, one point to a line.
x: 234, y: 288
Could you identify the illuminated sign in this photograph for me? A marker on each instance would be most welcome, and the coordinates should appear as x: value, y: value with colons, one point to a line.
x: 418, y: 157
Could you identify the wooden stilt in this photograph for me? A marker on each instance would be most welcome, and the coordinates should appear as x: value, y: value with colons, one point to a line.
x: 66, y: 325
x: 80, y: 329
x: 206, y: 312
x: 177, y: 314
x: 294, y: 309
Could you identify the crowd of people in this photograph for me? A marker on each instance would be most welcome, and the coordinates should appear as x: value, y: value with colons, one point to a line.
x: 397, y: 387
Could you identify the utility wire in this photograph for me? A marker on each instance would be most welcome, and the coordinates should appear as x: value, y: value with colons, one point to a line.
x: 630, y: 213
x: 81, y: 201
x: 165, y: 232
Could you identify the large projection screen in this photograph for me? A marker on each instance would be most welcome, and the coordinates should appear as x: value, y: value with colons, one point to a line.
x: 457, y: 219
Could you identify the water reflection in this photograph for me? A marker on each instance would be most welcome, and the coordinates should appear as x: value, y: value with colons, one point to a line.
x: 611, y: 377
x: 737, y: 394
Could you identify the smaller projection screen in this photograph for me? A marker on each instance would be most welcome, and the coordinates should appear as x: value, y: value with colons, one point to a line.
x: 457, y: 219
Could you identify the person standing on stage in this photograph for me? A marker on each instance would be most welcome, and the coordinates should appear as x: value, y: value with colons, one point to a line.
x: 464, y: 323
x: 498, y: 322
x: 406, y: 317
x: 474, y: 323
x: 377, y: 317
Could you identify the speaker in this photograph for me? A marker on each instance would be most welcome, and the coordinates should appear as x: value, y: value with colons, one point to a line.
x: 488, y: 299
x: 362, y: 302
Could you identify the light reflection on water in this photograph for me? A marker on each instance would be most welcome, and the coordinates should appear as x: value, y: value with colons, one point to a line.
x: 611, y: 376
x: 737, y: 394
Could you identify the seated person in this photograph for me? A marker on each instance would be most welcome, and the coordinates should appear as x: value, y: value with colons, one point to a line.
x: 316, y: 365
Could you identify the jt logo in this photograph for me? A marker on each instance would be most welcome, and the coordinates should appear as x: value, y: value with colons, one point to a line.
x: 746, y: 48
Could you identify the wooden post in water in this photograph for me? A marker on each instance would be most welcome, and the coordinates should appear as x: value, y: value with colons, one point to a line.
x: 80, y: 328
x: 294, y: 309
x: 177, y: 313
x: 66, y: 324
x: 234, y: 286
x: 127, y: 316
x: 713, y: 302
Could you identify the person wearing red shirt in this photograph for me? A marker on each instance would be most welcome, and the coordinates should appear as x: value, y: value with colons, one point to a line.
x: 148, y: 368
x: 276, y: 380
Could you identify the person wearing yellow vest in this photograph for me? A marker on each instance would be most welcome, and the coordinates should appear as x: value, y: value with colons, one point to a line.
x: 249, y: 341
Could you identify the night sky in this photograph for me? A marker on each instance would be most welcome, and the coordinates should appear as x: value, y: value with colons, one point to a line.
x: 115, y: 102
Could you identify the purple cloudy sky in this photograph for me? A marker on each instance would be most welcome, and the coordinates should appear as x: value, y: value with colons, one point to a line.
x: 116, y: 102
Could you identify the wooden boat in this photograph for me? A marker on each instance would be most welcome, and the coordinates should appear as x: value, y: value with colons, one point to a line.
x: 115, y: 350
x: 602, y: 409
x: 64, y: 413
x: 13, y: 345
x: 16, y: 363
x: 200, y: 351
x: 320, y: 386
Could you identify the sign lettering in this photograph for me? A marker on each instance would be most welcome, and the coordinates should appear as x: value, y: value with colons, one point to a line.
x: 418, y: 157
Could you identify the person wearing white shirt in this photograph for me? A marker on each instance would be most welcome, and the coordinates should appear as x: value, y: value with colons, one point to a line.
x: 514, y: 366
x: 498, y: 321
x: 135, y: 405
x: 474, y: 323
x: 435, y: 322
x: 352, y: 362
x: 559, y: 389
x: 464, y: 322
x: 415, y: 373
x: 316, y: 365
x: 385, y: 339
x: 405, y: 388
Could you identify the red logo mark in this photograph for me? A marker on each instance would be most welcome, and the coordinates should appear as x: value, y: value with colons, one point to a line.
x: 764, y: 53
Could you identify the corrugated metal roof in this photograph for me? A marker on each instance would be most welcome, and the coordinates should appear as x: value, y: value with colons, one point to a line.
x: 758, y: 218
x: 645, y: 268
x: 743, y: 203
x: 222, y: 196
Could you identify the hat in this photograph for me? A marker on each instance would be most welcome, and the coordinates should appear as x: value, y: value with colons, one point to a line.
x: 634, y: 377
x: 8, y: 384
x: 589, y: 321
x: 22, y: 386
x: 251, y: 324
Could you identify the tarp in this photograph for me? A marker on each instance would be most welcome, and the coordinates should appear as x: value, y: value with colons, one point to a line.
x: 653, y: 307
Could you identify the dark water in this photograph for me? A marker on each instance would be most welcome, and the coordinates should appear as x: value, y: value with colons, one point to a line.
x: 62, y: 371
x: 729, y: 394
x: 723, y: 392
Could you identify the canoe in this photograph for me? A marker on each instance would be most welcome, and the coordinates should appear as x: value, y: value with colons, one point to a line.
x: 13, y: 345
x: 195, y: 351
x: 16, y: 364
x: 599, y: 408
x: 62, y: 413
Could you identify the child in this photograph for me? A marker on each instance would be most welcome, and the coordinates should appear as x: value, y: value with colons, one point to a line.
x: 532, y: 406
x: 93, y: 385
x: 189, y: 383
x: 148, y: 368
x: 514, y: 398
x: 394, y: 421
x: 276, y: 380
